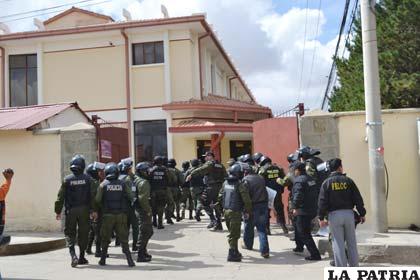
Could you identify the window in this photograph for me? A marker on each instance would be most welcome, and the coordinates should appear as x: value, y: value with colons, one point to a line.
x: 148, y: 53
x: 238, y: 148
x: 150, y: 139
x: 213, y: 78
x: 203, y: 146
x: 23, y: 80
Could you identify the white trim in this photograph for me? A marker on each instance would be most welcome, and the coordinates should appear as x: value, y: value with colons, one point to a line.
x: 6, y: 79
x: 40, y: 81
x: 147, y: 65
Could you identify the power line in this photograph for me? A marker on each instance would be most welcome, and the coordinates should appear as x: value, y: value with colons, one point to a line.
x: 303, y: 51
x: 315, y: 49
x: 37, y: 15
x: 45, y: 9
x: 333, y: 66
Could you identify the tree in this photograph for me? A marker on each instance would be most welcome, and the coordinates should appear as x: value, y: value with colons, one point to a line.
x: 399, y: 60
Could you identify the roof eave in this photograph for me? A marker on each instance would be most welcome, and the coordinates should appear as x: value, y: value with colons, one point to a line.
x: 174, y: 107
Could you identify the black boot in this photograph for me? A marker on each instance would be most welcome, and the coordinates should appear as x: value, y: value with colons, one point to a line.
x: 233, y: 256
x: 285, y: 229
x: 182, y: 214
x: 178, y: 217
x: 104, y: 254
x: 89, y: 248
x: 198, y: 216
x: 135, y: 248
x: 82, y: 259
x: 74, y: 260
x: 154, y: 221
x: 212, y: 224
x: 218, y: 226
x: 98, y: 252
x: 127, y: 254
x: 117, y: 242
x: 142, y: 257
x: 147, y: 254
x: 191, y: 215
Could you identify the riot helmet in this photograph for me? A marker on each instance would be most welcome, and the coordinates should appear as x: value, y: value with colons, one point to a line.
x: 111, y: 171
x: 77, y: 164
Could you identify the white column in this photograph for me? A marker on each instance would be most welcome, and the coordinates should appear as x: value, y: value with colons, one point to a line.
x: 40, y: 77
x: 6, y: 79
x: 168, y: 93
x: 131, y: 126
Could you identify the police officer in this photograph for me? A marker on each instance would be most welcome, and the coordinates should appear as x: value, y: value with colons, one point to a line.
x: 186, y: 197
x: 175, y: 188
x: 338, y: 196
x: 125, y: 167
x: 159, y: 184
x: 196, y: 188
x: 255, y: 184
x: 271, y: 173
x: 257, y: 158
x: 309, y: 157
x: 231, y: 162
x: 214, y: 173
x: 113, y: 198
x: 170, y: 200
x: 250, y: 161
x: 234, y: 198
x: 144, y: 210
x: 76, y: 194
x: 93, y: 171
x: 304, y: 205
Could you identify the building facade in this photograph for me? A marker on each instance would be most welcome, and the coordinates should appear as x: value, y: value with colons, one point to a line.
x: 168, y: 82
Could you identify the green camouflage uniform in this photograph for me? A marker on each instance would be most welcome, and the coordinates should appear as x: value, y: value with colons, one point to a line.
x: 95, y: 226
x: 233, y: 218
x: 144, y: 211
x: 172, y: 194
x: 76, y: 218
x: 132, y: 219
x: 215, y: 174
x: 113, y: 219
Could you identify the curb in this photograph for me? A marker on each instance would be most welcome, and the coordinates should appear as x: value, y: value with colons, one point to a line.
x: 32, y: 248
x: 380, y: 253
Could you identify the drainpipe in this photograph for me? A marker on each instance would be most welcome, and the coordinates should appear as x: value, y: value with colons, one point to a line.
x: 3, y: 80
x: 128, y: 94
x: 199, y: 62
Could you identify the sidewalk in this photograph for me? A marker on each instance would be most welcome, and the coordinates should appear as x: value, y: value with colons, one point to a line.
x: 395, y: 247
x: 23, y: 243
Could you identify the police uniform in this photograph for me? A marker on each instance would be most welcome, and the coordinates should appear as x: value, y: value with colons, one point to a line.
x: 159, y: 191
x: 186, y: 196
x: 214, y: 174
x: 76, y: 194
x: 145, y: 217
x: 94, y: 232
x: 196, y: 188
x: 234, y: 198
x: 132, y: 219
x: 174, y: 195
x: 271, y: 173
x: 114, y: 197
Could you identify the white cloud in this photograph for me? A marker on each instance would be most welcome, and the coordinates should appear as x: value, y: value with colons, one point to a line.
x: 267, y: 46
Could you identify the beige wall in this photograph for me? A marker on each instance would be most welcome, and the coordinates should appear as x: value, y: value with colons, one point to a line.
x: 75, y: 19
x: 148, y: 85
x: 36, y: 161
x: 401, y: 158
x: 1, y: 85
x: 95, y: 78
x: 182, y: 86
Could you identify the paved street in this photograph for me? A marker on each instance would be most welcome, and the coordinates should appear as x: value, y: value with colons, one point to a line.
x: 186, y: 250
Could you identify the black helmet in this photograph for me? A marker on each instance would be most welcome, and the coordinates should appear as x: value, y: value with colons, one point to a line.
x: 240, y: 158
x: 124, y: 165
x: 77, y: 164
x: 235, y: 172
x: 293, y: 157
x: 185, y: 165
x: 172, y: 163
x: 111, y: 171
x: 246, y: 168
x: 195, y: 162
x: 165, y: 161
x: 304, y: 152
x: 93, y: 169
x: 264, y: 160
x: 248, y: 159
x: 142, y: 168
x: 158, y: 160
x: 257, y: 157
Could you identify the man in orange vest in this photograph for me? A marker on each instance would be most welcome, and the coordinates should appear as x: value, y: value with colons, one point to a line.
x: 4, y: 189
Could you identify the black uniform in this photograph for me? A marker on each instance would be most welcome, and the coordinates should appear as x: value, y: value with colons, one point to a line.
x: 339, y: 192
x: 159, y: 182
x: 304, y: 201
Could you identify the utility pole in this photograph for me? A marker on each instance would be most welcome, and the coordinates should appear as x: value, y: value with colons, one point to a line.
x: 373, y: 117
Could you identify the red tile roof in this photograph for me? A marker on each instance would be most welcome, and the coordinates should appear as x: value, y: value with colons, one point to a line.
x: 17, y: 118
x: 207, y: 126
x: 217, y: 102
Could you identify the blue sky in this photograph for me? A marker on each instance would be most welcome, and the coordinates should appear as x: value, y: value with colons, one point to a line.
x: 264, y: 37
